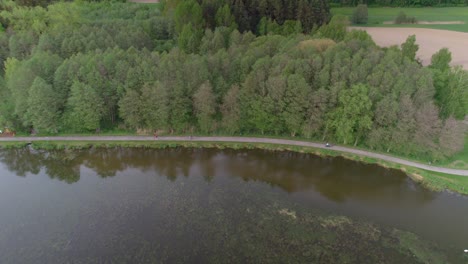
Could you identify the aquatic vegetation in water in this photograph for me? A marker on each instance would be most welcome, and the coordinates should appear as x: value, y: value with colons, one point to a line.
x: 285, y: 211
x: 176, y: 206
x: 338, y: 222
x: 424, y: 252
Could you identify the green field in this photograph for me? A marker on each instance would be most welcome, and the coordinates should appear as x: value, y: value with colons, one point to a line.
x: 378, y: 15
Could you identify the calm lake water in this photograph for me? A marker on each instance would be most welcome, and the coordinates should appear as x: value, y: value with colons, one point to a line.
x: 219, y: 206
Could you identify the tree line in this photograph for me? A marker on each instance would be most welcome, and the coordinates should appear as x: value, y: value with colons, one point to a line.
x: 95, y: 66
x: 401, y: 3
x: 246, y: 14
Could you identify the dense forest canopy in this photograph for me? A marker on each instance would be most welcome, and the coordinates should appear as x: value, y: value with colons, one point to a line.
x: 86, y: 66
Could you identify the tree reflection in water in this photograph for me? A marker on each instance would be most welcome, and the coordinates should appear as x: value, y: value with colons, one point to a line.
x: 336, y: 178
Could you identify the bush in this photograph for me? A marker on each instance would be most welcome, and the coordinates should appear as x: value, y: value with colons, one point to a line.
x: 360, y: 15
x: 402, y: 18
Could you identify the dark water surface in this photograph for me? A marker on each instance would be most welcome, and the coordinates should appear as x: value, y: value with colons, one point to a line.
x: 219, y: 206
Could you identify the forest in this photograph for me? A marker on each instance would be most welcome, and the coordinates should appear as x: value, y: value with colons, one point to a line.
x: 80, y: 67
x: 400, y: 3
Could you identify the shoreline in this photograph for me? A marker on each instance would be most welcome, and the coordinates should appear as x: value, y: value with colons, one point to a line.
x: 255, y: 140
x: 434, y: 180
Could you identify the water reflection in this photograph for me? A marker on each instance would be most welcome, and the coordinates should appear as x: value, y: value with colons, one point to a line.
x: 212, y: 193
x: 60, y: 165
x: 337, y: 179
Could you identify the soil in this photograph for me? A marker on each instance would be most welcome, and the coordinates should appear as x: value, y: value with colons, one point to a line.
x: 431, y: 22
x: 429, y: 40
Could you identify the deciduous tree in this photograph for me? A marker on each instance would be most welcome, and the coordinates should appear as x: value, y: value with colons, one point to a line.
x: 43, y: 108
x: 84, y: 109
x: 204, y: 103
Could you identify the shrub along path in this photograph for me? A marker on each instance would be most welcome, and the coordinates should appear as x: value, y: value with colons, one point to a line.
x: 247, y: 140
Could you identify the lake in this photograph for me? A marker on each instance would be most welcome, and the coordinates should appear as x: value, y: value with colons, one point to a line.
x: 219, y: 206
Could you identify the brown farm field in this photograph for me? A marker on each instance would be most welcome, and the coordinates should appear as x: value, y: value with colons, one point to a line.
x: 429, y: 40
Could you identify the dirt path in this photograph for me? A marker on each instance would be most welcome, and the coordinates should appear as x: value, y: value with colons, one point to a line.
x: 429, y: 40
x: 248, y: 140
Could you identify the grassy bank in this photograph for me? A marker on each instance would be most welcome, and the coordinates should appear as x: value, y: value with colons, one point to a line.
x: 379, y: 15
x: 459, y: 160
x: 431, y: 180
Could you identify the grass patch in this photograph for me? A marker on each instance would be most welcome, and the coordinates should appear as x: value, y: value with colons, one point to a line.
x: 379, y: 15
x: 440, y: 181
x: 459, y: 160
x: 12, y: 145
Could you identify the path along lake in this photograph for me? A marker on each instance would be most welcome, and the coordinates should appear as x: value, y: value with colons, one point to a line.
x: 219, y: 206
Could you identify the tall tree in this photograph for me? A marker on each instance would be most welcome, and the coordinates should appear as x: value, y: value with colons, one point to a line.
x: 43, y: 112
x: 204, y: 103
x: 441, y: 60
x: 130, y: 109
x: 295, y: 103
x: 155, y: 106
x: 224, y: 18
x: 188, y: 12
x: 451, y: 137
x: 427, y: 128
x: 181, y: 110
x: 336, y: 29
x: 403, y: 134
x: 230, y: 110
x: 7, y: 106
x: 316, y: 111
x: 409, y: 48
x: 18, y: 80
x: 85, y: 108
x: 353, y: 116
x: 452, y: 92
x: 190, y: 38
